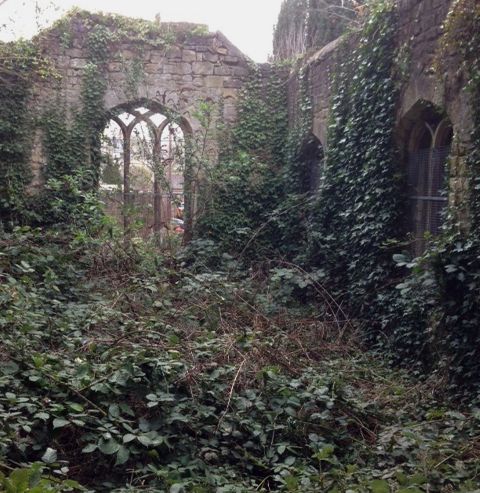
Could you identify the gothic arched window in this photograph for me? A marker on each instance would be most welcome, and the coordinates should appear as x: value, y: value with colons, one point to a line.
x: 143, y: 161
x: 429, y: 146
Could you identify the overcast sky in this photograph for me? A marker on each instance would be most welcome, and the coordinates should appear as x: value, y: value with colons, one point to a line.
x: 247, y: 23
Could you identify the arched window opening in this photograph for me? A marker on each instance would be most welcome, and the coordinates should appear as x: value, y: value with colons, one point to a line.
x: 311, y: 159
x: 172, y: 148
x: 111, y: 164
x: 111, y: 169
x: 143, y: 171
x: 429, y: 146
x: 142, y: 157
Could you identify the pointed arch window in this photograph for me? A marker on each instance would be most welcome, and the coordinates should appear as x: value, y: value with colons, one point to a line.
x: 147, y: 149
x: 428, y: 151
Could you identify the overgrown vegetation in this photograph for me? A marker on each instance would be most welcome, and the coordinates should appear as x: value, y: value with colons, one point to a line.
x: 18, y: 60
x: 246, y: 185
x: 239, y: 364
x: 423, y: 312
x: 359, y: 206
x: 129, y: 370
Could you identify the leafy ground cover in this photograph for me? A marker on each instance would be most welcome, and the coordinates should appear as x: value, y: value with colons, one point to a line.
x: 123, y: 369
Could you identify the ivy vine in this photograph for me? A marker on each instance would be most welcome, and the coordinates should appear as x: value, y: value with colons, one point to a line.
x: 18, y: 62
x: 359, y: 205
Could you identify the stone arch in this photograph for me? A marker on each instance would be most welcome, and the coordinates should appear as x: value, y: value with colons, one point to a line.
x: 154, y: 107
x: 150, y: 144
x: 311, y: 158
x: 426, y: 135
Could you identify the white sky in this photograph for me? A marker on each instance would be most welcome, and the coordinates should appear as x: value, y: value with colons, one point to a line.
x: 248, y: 24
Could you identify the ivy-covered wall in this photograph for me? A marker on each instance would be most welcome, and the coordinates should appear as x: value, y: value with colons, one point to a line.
x: 352, y: 102
x: 418, y: 32
x: 115, y: 61
x: 418, y: 76
x: 365, y: 91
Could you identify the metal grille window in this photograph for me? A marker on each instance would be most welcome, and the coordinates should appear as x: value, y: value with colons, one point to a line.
x: 426, y: 181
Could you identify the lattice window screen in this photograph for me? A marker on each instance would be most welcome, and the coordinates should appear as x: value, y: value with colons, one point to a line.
x: 426, y: 181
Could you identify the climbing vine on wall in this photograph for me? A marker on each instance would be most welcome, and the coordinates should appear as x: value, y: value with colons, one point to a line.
x: 246, y: 184
x: 433, y: 315
x: 299, y: 133
x: 74, y: 147
x: 430, y: 319
x: 297, y: 173
x: 17, y: 62
x: 455, y: 260
x: 262, y: 117
x: 359, y: 207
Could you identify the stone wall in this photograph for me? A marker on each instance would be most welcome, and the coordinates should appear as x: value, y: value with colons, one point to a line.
x: 420, y: 31
x: 418, y: 37
x: 194, y: 66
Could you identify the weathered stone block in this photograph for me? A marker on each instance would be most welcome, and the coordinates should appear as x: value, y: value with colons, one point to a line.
x: 232, y: 83
x: 157, y: 58
x: 74, y: 53
x: 63, y: 61
x: 173, y: 52
x: 151, y: 68
x: 231, y: 60
x: 78, y: 63
x: 189, y: 56
x: 222, y: 70
x: 210, y: 57
x: 115, y: 67
x: 117, y: 77
x: 202, y: 68
x: 173, y: 69
x: 229, y: 94
x: 214, y: 81
x: 128, y: 54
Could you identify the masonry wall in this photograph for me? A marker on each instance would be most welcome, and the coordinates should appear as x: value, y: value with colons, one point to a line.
x: 418, y: 37
x: 420, y: 31
x: 192, y: 68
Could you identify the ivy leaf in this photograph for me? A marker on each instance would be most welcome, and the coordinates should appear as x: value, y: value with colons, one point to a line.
x: 145, y: 440
x: 114, y: 410
x: 60, y: 423
x: 76, y: 407
x: 91, y: 447
x: 49, y: 456
x: 9, y: 368
x: 289, y: 461
x: 128, y: 438
x: 108, y: 447
x: 123, y: 455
